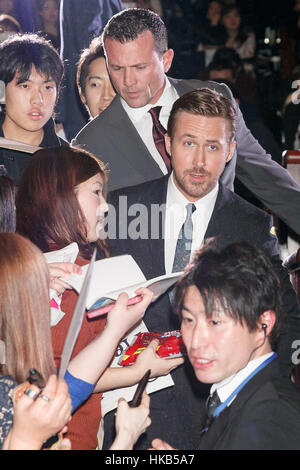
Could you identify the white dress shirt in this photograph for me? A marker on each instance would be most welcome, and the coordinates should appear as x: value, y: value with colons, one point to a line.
x: 228, y: 385
x: 143, y: 123
x: 176, y: 215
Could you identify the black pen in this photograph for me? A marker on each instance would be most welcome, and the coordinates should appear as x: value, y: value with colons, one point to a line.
x: 137, y: 398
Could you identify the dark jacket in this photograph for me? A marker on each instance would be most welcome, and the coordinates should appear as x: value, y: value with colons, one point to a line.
x: 265, y: 415
x: 16, y: 161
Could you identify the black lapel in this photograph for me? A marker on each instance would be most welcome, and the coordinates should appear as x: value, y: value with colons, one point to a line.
x: 220, y: 218
x: 218, y: 429
x: 157, y: 203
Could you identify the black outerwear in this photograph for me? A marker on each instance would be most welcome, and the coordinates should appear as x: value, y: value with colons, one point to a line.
x: 265, y: 415
x: 15, y: 162
x: 177, y: 413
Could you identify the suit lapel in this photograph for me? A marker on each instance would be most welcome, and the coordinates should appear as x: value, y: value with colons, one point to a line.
x: 124, y: 136
x: 156, y: 239
x: 219, y: 217
x: 218, y: 429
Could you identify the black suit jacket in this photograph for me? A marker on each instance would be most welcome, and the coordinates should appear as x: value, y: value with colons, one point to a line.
x: 232, y: 220
x: 265, y: 415
x: 112, y: 137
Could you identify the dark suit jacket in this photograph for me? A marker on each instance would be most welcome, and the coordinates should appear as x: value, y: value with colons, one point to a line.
x: 265, y: 415
x: 233, y: 219
x: 112, y: 137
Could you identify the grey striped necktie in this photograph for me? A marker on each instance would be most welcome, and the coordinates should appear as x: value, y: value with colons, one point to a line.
x: 184, y: 242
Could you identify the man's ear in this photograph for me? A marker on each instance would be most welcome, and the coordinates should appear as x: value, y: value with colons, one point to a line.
x: 82, y: 97
x: 167, y: 59
x: 231, y: 151
x: 168, y: 143
x: 266, y: 321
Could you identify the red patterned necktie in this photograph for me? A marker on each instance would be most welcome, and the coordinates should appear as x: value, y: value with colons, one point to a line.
x: 158, y: 132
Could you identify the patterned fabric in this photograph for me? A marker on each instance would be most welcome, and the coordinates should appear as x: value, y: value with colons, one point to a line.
x: 184, y: 242
x: 7, y: 385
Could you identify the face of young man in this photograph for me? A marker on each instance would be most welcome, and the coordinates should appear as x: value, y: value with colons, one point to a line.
x: 99, y: 92
x: 29, y: 105
x: 136, y: 70
x: 217, y: 345
x: 199, y: 149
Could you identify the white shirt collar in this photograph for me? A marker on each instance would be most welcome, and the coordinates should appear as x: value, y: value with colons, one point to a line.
x: 165, y: 99
x: 175, y: 215
x: 228, y: 385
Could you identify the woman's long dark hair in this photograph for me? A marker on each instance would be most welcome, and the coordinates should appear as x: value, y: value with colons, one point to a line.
x: 48, y: 211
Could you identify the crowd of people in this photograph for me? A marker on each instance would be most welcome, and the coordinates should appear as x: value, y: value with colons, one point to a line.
x: 181, y: 145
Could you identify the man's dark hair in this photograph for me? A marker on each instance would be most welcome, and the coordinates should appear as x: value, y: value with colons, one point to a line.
x: 228, y: 54
x: 239, y: 279
x: 129, y: 24
x: 20, y: 53
x: 222, y: 64
x: 203, y: 102
x: 94, y: 51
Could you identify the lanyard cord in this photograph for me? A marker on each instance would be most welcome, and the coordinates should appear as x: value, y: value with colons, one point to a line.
x: 223, y: 405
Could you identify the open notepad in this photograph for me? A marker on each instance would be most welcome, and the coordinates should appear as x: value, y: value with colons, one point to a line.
x: 117, y: 274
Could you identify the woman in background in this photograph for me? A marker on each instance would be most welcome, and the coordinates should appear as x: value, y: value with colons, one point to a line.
x: 48, y: 20
x: 235, y: 34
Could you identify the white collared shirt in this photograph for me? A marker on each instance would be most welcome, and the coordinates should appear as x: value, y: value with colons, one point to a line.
x: 228, y: 385
x: 176, y: 215
x: 142, y: 120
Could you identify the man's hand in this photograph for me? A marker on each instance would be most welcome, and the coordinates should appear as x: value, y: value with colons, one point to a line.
x: 158, y: 444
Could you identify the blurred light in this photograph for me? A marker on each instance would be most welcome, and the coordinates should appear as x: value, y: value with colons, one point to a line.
x: 278, y: 40
x: 266, y: 40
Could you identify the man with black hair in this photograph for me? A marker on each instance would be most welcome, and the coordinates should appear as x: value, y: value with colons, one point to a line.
x: 162, y: 222
x: 138, y: 58
x: 93, y: 82
x: 229, y: 304
x: 32, y: 72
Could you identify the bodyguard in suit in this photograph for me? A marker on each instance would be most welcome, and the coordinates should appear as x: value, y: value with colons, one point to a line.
x: 124, y: 135
x: 150, y: 221
x: 229, y: 305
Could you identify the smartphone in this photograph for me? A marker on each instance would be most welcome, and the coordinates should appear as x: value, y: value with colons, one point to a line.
x: 103, y: 310
x: 137, y: 398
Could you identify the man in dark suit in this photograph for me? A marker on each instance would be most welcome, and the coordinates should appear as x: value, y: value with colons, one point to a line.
x: 146, y: 221
x: 229, y: 305
x: 138, y: 58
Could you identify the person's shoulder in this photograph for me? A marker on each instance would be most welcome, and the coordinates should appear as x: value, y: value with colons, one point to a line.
x: 242, y: 205
x: 90, y: 129
x: 193, y: 84
x: 98, y: 124
x: 281, y: 394
x: 143, y: 189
